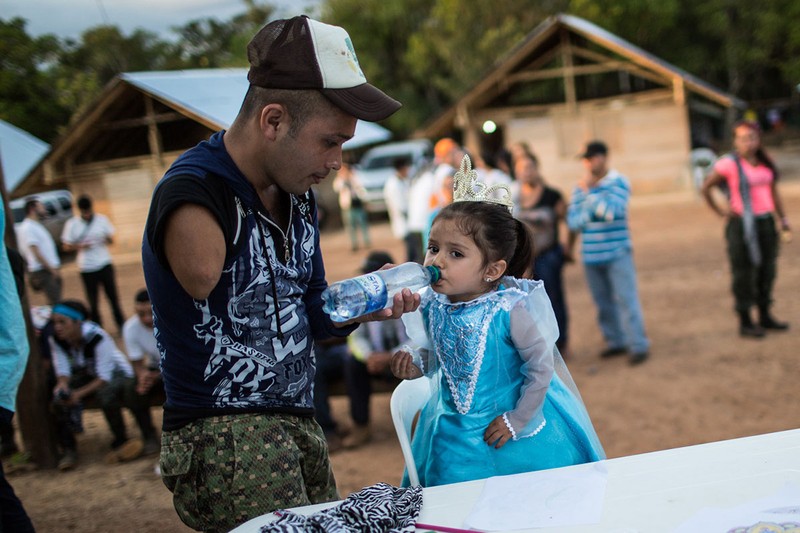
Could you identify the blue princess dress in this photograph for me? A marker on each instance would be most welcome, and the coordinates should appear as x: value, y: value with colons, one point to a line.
x: 494, y: 356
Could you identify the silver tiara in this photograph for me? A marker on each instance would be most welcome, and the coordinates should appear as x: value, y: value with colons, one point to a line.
x: 467, y: 188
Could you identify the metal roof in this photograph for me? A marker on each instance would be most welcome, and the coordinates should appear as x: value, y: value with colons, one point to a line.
x: 530, y: 47
x: 216, y: 95
x: 636, y: 54
x: 19, y: 152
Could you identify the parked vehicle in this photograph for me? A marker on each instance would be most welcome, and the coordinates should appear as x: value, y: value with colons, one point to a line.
x: 58, y: 205
x: 377, y: 165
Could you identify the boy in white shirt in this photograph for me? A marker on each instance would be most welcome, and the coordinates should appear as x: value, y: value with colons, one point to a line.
x: 90, y: 234
x: 40, y: 252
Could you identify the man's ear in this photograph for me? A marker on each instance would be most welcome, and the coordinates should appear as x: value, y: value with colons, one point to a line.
x: 273, y: 120
x: 496, y: 269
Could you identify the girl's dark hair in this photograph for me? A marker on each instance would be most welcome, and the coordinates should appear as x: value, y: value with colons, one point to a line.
x: 761, y: 154
x: 496, y: 233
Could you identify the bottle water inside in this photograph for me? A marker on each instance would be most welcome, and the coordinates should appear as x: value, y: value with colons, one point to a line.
x: 362, y: 295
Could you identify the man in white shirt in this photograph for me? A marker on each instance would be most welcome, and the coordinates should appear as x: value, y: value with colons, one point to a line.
x: 90, y: 234
x: 88, y: 363
x: 142, y: 348
x: 395, y: 194
x: 140, y: 343
x: 40, y: 252
x: 446, y: 155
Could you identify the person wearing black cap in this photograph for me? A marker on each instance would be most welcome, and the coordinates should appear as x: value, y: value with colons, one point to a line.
x: 233, y: 266
x: 598, y: 211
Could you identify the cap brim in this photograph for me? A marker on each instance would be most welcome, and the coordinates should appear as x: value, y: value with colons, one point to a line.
x: 364, y: 102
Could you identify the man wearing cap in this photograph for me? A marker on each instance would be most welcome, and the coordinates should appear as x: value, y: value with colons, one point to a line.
x: 233, y: 266
x: 599, y: 212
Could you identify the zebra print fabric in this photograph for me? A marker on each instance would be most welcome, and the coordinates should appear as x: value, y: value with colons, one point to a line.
x: 379, y: 508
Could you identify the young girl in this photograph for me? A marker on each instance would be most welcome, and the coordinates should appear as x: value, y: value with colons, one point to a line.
x: 503, y: 402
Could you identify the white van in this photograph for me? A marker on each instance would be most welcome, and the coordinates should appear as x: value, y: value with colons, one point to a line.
x: 377, y: 165
x: 57, y: 204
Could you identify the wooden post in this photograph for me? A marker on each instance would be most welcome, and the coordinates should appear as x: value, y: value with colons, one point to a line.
x: 153, y: 137
x: 35, y: 421
x: 570, y: 94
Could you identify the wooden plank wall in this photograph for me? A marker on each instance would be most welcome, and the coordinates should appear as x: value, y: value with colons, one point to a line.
x: 648, y: 141
x: 121, y: 190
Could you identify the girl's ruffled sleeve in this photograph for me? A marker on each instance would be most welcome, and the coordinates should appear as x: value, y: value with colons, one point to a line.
x: 419, y: 344
x: 534, y: 332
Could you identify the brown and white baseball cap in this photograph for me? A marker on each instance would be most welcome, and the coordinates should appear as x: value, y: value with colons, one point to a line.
x: 302, y: 53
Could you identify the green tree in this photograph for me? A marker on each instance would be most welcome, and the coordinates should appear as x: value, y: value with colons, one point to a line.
x: 85, y: 67
x: 427, y: 54
x: 44, y: 81
x: 211, y: 43
x: 741, y: 47
x: 28, y: 93
x: 380, y: 31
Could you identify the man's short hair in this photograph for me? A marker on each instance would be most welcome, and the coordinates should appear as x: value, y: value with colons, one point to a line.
x: 142, y: 297
x: 375, y: 260
x: 84, y: 202
x: 301, y: 105
x: 401, y: 162
x: 30, y: 205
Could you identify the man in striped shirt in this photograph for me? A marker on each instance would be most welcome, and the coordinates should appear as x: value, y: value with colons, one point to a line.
x: 598, y: 211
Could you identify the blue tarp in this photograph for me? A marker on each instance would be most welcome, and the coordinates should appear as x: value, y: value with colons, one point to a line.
x: 19, y: 152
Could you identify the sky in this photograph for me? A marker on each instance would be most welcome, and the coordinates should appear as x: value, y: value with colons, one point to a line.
x: 70, y: 18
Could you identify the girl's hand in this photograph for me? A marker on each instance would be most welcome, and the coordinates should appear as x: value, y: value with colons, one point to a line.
x: 497, y: 434
x: 403, y: 367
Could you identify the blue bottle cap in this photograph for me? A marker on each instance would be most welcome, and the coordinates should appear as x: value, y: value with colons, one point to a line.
x: 435, y: 274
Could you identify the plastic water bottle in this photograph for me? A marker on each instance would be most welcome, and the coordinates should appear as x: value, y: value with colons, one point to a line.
x: 362, y: 295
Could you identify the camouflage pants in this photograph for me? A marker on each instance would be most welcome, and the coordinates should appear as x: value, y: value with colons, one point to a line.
x: 225, y: 470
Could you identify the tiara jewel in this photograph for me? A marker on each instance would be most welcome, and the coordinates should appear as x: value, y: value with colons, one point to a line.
x: 467, y: 188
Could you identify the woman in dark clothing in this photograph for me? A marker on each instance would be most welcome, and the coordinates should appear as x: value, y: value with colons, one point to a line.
x: 543, y: 208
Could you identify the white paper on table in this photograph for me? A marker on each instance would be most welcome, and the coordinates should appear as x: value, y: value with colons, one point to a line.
x: 547, y: 498
x: 780, y: 508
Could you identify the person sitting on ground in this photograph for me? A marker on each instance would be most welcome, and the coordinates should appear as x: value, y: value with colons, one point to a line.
x: 140, y: 343
x: 88, y: 363
x: 371, y: 349
x: 330, y: 355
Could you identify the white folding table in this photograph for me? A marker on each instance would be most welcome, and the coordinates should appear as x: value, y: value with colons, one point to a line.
x: 651, y: 492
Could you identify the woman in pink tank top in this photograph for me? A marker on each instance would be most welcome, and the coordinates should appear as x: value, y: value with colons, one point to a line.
x: 750, y: 180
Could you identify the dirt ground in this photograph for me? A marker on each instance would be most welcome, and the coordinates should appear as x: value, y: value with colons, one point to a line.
x: 702, y: 383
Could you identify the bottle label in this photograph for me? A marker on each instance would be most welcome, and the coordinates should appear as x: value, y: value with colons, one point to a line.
x: 374, y: 292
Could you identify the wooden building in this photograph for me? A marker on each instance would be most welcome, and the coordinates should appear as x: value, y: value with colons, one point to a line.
x: 121, y: 146
x: 570, y: 81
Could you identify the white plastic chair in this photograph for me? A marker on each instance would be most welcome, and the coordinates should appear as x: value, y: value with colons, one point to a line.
x: 408, y: 398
